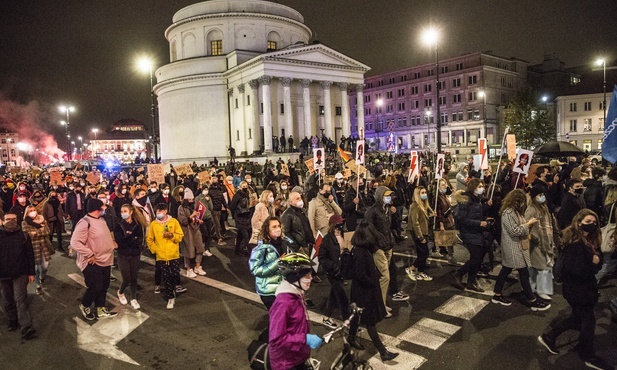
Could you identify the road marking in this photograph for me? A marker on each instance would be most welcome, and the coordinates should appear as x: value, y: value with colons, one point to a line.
x: 102, y: 336
x: 462, y: 307
x: 404, y: 361
x: 429, y: 333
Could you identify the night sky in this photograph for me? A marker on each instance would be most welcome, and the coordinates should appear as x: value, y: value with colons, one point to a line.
x: 83, y: 52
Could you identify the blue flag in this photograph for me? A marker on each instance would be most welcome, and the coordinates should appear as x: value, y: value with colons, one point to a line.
x: 609, y: 141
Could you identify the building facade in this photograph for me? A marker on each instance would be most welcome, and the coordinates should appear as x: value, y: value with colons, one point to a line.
x: 242, y: 73
x: 402, y: 105
x: 580, y: 120
x: 9, y: 147
x: 125, y: 141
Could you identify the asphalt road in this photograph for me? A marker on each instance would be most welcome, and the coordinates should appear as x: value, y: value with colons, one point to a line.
x: 213, y: 323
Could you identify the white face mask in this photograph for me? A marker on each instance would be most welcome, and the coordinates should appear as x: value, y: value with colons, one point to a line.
x: 283, y: 187
x: 166, y: 191
x: 305, y: 283
x: 271, y: 200
x: 32, y: 214
x: 276, y: 233
x: 479, y: 191
x: 300, y: 204
x: 205, y: 192
x: 123, y: 191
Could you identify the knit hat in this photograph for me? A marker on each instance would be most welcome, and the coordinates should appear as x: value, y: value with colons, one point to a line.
x: 535, y: 191
x: 335, y: 220
x: 612, y: 174
x: 188, y: 194
x: 94, y: 205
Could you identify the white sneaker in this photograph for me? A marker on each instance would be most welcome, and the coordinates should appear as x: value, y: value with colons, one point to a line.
x: 190, y: 273
x: 200, y: 271
x: 207, y: 253
x: 545, y: 297
x: 122, y: 298
x: 135, y: 304
x: 388, y: 309
x: 410, y: 273
x: 171, y: 303
x: 423, y: 277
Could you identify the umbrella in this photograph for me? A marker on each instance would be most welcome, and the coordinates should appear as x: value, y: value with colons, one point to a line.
x: 558, y: 148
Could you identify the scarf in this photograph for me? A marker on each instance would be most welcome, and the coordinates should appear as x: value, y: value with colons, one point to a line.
x: 31, y: 222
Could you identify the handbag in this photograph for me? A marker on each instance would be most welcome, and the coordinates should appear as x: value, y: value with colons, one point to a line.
x: 444, y: 238
x: 608, y: 231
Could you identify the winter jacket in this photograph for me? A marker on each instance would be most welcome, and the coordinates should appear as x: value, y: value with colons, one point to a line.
x: 580, y: 287
x: 418, y: 221
x: 513, y: 231
x: 16, y: 254
x: 350, y: 213
x: 262, y: 212
x: 129, y: 237
x: 330, y: 256
x: 461, y: 177
x: 206, y: 201
x: 91, y: 238
x: 288, y: 328
x: 264, y: 266
x: 216, y: 192
x: 320, y: 209
x: 240, y: 210
x: 544, y: 236
x: 365, y: 290
x: 470, y: 214
x: 594, y: 196
x: 379, y: 216
x: 297, y: 227
x: 165, y: 249
x: 570, y: 205
x: 40, y: 240
x: 192, y: 240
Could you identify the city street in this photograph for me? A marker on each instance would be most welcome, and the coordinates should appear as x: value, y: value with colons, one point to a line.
x: 215, y: 320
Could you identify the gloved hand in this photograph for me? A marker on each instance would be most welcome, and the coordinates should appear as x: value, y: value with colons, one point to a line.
x: 313, y: 341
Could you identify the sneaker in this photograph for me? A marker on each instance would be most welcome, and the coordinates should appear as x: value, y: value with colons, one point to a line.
x: 122, y: 298
x: 180, y: 289
x: 135, y: 304
x: 548, y: 344
x: 423, y: 277
x: 190, y: 273
x: 475, y: 287
x: 200, y: 271
x: 400, y: 296
x: 539, y: 305
x: 410, y: 273
x: 499, y: 299
x: 328, y: 323
x: 388, y: 315
x: 207, y: 253
x: 87, y: 312
x: 39, y: 290
x: 157, y: 289
x: 171, y: 303
x: 545, y: 297
x: 388, y: 309
x: 221, y: 242
x: 27, y: 333
x: 597, y: 363
x: 104, y: 313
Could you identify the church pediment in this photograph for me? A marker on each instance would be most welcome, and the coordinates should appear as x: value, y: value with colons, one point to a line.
x: 315, y: 54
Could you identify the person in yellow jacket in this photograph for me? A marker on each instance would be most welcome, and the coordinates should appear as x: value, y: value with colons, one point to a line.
x: 164, y: 236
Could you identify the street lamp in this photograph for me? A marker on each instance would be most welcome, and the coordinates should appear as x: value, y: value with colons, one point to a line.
x: 95, y: 131
x: 602, y: 62
x: 146, y: 65
x: 8, y: 149
x: 67, y: 110
x: 483, y: 96
x: 81, y: 156
x: 379, y: 104
x: 430, y: 36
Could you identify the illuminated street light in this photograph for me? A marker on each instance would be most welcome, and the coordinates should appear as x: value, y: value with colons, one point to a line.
x: 146, y: 65
x: 430, y: 37
x: 379, y: 104
x: 67, y: 110
x: 602, y: 62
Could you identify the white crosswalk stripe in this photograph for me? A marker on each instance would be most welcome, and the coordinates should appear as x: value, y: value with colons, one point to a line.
x: 462, y: 307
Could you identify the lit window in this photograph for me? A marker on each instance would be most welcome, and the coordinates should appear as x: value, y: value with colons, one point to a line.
x: 217, y: 47
x: 271, y: 45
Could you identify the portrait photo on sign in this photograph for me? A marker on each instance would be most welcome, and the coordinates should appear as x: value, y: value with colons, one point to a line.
x: 360, y: 152
x: 439, y: 167
x: 522, y: 161
x: 318, y: 158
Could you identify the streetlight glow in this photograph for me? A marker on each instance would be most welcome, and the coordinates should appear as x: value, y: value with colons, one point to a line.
x: 430, y: 36
x: 600, y: 62
x: 64, y: 109
x: 145, y: 64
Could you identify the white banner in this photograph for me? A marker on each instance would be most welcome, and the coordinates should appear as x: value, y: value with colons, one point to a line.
x: 523, y: 161
x: 319, y: 160
x: 360, y: 152
x: 439, y: 165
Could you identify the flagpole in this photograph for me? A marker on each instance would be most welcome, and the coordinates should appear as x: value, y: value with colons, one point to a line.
x: 503, y: 143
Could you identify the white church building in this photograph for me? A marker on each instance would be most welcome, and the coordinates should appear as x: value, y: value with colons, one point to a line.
x: 243, y: 71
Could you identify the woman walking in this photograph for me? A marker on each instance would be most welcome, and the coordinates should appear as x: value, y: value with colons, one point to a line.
x: 54, y: 215
x: 581, y: 261
x: 129, y: 236
x: 515, y: 249
x: 419, y: 214
x: 444, y: 221
x: 34, y: 224
x: 263, y: 210
x: 192, y: 245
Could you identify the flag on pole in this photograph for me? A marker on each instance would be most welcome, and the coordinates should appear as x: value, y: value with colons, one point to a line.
x: 346, y: 156
x: 483, y: 150
x: 414, y: 169
x: 609, y: 141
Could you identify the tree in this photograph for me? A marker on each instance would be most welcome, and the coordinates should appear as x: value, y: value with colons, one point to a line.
x: 530, y: 120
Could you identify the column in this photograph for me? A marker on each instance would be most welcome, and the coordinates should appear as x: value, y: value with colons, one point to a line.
x: 255, y: 126
x: 345, y: 122
x: 327, y: 105
x: 289, y: 129
x: 232, y: 118
x: 264, y: 82
x: 449, y: 137
x: 409, y: 142
x: 242, y: 121
x: 422, y: 145
x: 482, y: 132
x: 306, y: 101
x: 360, y: 108
x: 464, y: 137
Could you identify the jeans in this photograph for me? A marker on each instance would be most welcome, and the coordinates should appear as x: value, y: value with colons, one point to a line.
x: 393, y: 285
x: 40, y: 270
x: 15, y: 292
x: 129, y: 267
x: 242, y: 239
x: 382, y: 261
x: 337, y: 298
x: 609, y: 265
x: 216, y: 218
x: 422, y: 252
x: 523, y: 277
x: 476, y: 256
x: 97, y: 283
x: 541, y: 281
x: 583, y: 319
x: 268, y: 300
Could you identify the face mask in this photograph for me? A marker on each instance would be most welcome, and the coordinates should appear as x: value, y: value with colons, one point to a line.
x: 245, y: 190
x: 305, y: 283
x: 152, y: 190
x: 205, y: 192
x: 443, y: 191
x: 32, y: 214
x: 11, y: 225
x: 590, y: 228
x: 55, y: 187
x: 104, y: 185
x: 271, y: 200
x: 160, y: 216
x: 166, y: 191
x: 283, y: 187
x: 362, y: 187
x: 387, y: 200
x: 125, y: 216
x: 423, y: 196
x: 93, y: 193
x: 104, y: 200
x: 300, y: 204
x: 276, y: 233
x: 479, y: 191
x: 181, y: 194
x: 123, y: 191
x: 249, y: 180
x: 579, y: 190
x: 82, y: 183
x: 22, y: 188
x: 71, y: 188
x: 142, y: 200
x: 108, y: 197
x: 541, y: 199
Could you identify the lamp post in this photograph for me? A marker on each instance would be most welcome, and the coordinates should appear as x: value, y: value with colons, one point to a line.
x: 483, y: 96
x: 81, y: 142
x: 602, y: 62
x: 67, y: 110
x: 427, y: 119
x: 8, y: 149
x: 146, y: 66
x: 94, y: 145
x: 379, y: 104
x: 430, y: 37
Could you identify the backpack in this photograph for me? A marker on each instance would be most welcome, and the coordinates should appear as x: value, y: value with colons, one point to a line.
x: 347, y: 264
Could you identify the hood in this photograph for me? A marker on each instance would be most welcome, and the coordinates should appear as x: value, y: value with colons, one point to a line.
x: 459, y: 196
x: 379, y: 194
x: 287, y: 287
x: 461, y: 166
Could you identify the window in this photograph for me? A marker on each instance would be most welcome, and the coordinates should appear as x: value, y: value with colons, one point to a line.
x: 416, y: 104
x: 282, y: 108
x: 237, y: 135
x: 469, y: 114
x: 403, y: 78
x: 454, y: 116
x: 572, y: 107
x: 503, y: 82
x: 390, y: 108
x: 416, y: 75
x: 236, y: 103
x: 476, y: 114
x: 271, y: 45
x: 338, y: 111
x: 442, y: 85
x: 414, y: 89
x: 472, y: 96
x: 587, y: 124
x: 380, y: 83
x: 401, y: 106
x: 504, y: 99
x: 261, y: 108
x: 574, y: 80
x: 388, y: 94
x: 428, y: 87
x: 430, y: 72
x: 444, y: 118
x: 456, y: 82
x: 428, y: 102
x: 392, y: 80
x: 601, y: 106
x: 459, y: 66
x: 472, y: 80
x: 456, y: 98
x: 217, y: 47
x: 573, y: 125
x: 367, y: 98
x: 601, y: 124
x: 250, y: 134
x: 248, y: 100
x: 510, y: 82
x: 3, y: 141
x: 442, y: 100
x: 460, y: 115
x: 444, y: 69
x: 401, y: 92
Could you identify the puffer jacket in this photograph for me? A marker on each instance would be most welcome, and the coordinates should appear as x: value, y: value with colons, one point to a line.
x: 380, y: 217
x: 264, y: 266
x: 297, y: 227
x: 470, y: 214
x: 461, y: 177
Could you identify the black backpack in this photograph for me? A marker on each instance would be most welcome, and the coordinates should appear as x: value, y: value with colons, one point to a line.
x: 347, y: 264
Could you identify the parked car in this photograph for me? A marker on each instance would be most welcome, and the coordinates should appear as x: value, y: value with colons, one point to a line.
x: 596, y: 158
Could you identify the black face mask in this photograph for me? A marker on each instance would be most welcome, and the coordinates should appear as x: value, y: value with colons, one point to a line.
x: 142, y: 200
x: 590, y: 228
x: 579, y: 190
x: 11, y: 226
